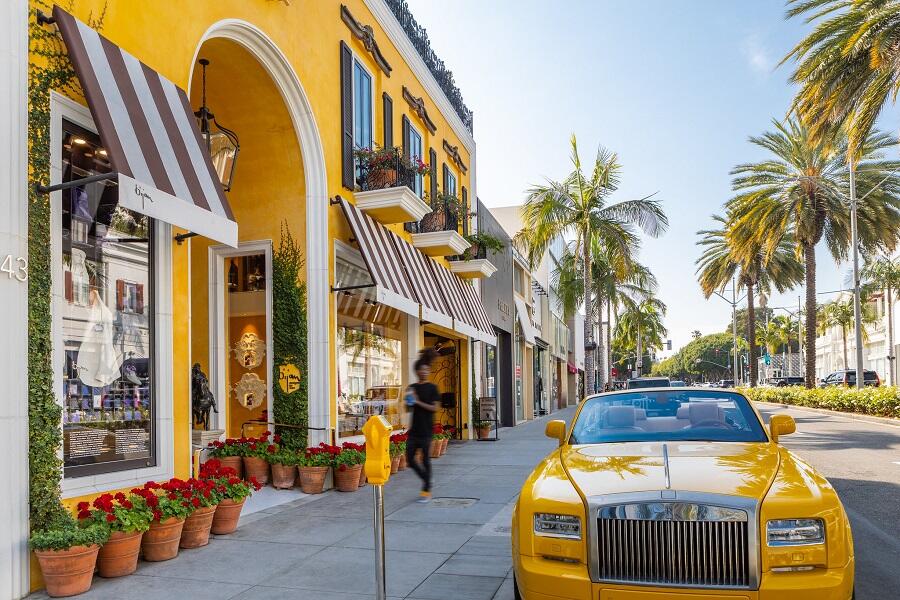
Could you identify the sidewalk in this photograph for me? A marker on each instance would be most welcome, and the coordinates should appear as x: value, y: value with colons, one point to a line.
x: 321, y: 547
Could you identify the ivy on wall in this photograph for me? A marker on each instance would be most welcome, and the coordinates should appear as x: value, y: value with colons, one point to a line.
x: 48, y: 69
x: 289, y: 328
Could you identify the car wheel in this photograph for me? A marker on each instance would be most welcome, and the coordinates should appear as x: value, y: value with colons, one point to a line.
x: 516, y: 594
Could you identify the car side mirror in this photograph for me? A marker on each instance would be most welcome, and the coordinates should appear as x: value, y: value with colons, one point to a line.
x: 556, y: 430
x: 781, y: 425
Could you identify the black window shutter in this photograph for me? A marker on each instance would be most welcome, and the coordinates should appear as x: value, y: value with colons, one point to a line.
x: 432, y: 160
x: 405, y: 133
x: 388, y: 124
x: 465, y: 210
x: 346, y: 117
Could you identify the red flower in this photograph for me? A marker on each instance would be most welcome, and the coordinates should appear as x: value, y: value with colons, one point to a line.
x: 110, y: 518
x: 277, y: 438
x: 83, y: 506
x: 120, y: 497
x: 172, y: 496
x: 206, y: 493
x: 195, y: 502
x: 271, y: 448
x: 253, y: 446
x: 186, y: 504
x: 84, y: 514
x: 157, y: 515
x: 234, y: 481
x: 126, y: 504
x: 152, y: 501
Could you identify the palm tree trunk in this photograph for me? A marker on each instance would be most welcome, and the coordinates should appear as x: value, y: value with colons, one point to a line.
x: 844, y: 336
x: 890, y: 312
x: 589, y: 383
x: 809, y: 252
x: 600, y: 353
x: 609, y: 334
x: 751, y: 336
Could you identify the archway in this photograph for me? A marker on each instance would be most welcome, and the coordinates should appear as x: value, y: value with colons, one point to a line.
x: 253, y: 89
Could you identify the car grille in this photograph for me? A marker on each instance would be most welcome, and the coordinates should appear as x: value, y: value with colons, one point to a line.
x: 674, y: 544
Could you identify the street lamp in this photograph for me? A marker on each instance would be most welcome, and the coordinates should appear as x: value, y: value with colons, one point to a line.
x: 733, y: 302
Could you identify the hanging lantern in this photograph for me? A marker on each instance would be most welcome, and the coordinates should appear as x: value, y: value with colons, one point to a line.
x: 221, y: 143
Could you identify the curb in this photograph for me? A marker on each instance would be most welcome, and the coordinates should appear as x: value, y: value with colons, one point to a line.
x: 890, y: 422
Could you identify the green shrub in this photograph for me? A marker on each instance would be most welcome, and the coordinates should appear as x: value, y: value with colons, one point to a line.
x: 883, y: 401
x: 67, y: 534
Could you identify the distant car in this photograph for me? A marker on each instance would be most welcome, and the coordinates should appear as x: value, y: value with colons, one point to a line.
x: 847, y: 378
x: 726, y: 383
x: 648, y: 382
x: 678, y: 383
x: 786, y: 381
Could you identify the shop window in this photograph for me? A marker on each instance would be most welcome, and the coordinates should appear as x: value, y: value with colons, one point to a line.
x: 107, y: 325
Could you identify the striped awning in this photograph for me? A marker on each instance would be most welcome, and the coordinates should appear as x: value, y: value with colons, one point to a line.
x: 419, y: 270
x: 476, y: 308
x: 150, y: 134
x: 378, y: 249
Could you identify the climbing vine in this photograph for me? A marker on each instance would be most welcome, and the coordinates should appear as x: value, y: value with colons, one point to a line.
x: 289, y: 329
x: 48, y: 69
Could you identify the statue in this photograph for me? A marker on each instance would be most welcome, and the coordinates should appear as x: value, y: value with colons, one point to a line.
x: 201, y: 398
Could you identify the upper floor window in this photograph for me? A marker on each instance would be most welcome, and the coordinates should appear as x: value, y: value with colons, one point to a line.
x: 451, y: 185
x: 416, y: 151
x: 362, y: 106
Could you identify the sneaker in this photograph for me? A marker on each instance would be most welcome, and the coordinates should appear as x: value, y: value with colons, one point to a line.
x: 424, y: 498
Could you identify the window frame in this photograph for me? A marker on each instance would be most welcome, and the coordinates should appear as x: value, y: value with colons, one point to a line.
x: 357, y: 61
x: 162, y: 343
x: 420, y: 179
x: 452, y: 183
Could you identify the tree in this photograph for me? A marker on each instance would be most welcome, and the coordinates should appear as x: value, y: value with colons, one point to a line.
x: 882, y: 273
x: 710, y: 356
x: 728, y: 258
x: 840, y: 314
x: 802, y: 189
x: 695, y: 334
x: 848, y: 65
x: 790, y: 332
x: 760, y: 315
x: 579, y: 207
x: 641, y: 326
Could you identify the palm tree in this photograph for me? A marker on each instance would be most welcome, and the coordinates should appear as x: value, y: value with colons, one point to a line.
x: 840, y: 314
x: 882, y: 273
x: 802, y: 189
x: 789, y: 333
x: 579, y: 207
x: 848, y: 66
x: 641, y: 326
x: 727, y: 257
x: 771, y: 337
x: 696, y: 335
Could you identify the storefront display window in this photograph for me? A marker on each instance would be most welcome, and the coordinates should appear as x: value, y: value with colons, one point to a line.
x: 107, y: 324
x: 490, y: 371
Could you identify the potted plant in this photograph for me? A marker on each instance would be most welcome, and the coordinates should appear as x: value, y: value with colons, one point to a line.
x: 256, y: 451
x: 479, y: 240
x: 437, y: 436
x: 483, y: 428
x: 395, y: 453
x: 205, y: 497
x: 449, y: 432
x: 444, y: 207
x: 378, y: 166
x: 401, y: 439
x: 233, y: 490
x: 284, y: 466
x: 161, y: 540
x: 230, y: 453
x: 67, y: 555
x: 313, y: 467
x: 347, y: 465
x: 127, y: 518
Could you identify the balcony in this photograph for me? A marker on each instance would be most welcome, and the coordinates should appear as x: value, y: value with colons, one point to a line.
x: 473, y: 263
x: 387, y: 181
x: 437, y: 233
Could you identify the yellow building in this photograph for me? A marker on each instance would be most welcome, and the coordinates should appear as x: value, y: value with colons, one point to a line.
x: 273, y: 195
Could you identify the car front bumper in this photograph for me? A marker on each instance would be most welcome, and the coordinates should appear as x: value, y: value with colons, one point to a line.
x: 543, y: 579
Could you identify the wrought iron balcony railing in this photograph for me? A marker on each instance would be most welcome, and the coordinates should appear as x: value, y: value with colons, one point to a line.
x: 390, y: 172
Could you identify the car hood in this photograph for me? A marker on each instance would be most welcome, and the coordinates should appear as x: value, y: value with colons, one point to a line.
x: 742, y: 469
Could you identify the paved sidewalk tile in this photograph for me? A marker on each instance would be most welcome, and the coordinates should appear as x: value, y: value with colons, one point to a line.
x: 477, y: 514
x: 262, y: 592
x: 296, y: 527
x: 141, y: 587
x: 506, y: 590
x: 458, y: 587
x: 444, y: 538
x: 470, y: 564
x: 486, y: 545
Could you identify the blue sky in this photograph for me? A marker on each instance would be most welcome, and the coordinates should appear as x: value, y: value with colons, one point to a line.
x: 675, y: 87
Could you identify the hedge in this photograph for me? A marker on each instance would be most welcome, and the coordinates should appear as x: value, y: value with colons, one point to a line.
x: 881, y: 401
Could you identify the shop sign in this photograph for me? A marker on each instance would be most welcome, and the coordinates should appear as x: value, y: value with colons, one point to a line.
x: 487, y: 409
x: 15, y: 266
x: 289, y: 378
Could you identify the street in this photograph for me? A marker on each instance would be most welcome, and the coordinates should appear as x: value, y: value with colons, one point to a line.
x: 861, y: 459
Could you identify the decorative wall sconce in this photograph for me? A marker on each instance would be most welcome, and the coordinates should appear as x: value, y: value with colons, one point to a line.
x: 250, y: 350
x: 250, y: 391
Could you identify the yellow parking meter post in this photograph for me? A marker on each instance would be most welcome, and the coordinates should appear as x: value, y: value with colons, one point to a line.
x: 378, y: 449
x: 378, y: 470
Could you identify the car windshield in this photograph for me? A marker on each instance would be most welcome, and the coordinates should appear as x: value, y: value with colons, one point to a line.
x: 660, y: 415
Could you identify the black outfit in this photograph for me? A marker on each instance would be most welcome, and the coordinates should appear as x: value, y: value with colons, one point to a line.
x: 420, y: 432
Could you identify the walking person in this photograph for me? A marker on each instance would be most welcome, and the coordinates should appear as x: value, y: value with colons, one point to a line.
x: 423, y: 398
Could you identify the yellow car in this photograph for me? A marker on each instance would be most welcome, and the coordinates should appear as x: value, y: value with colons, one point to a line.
x: 678, y: 493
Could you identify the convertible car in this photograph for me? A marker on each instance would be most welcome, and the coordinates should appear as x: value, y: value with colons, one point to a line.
x: 678, y: 493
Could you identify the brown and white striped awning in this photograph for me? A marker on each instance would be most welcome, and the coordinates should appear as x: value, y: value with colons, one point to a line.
x: 150, y: 134
x: 479, y: 315
x: 419, y: 270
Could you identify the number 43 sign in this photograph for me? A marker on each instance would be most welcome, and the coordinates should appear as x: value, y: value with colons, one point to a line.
x: 14, y: 267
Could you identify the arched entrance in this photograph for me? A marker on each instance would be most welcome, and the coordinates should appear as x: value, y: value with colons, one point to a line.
x: 280, y: 179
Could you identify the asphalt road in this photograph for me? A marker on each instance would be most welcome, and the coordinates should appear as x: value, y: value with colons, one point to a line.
x: 861, y: 459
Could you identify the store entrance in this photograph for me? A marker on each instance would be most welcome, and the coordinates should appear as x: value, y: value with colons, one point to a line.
x: 445, y: 374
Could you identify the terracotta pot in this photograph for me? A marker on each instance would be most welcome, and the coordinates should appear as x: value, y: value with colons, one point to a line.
x: 196, y: 527
x: 402, y: 466
x: 225, y: 519
x: 119, y: 555
x: 256, y: 467
x: 395, y: 464
x: 444, y: 443
x: 283, y: 476
x: 362, y: 476
x: 435, y: 448
x: 484, y: 432
x: 378, y: 180
x: 161, y: 540
x: 348, y: 479
x: 234, y: 462
x: 312, y: 479
x: 68, y: 572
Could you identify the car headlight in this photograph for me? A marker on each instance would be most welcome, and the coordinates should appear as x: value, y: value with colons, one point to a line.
x: 795, y: 532
x: 559, y: 526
